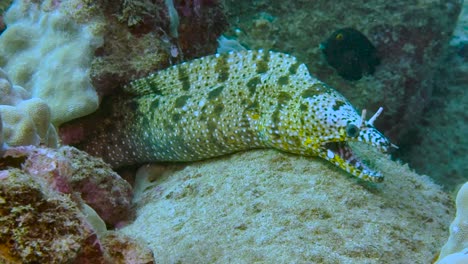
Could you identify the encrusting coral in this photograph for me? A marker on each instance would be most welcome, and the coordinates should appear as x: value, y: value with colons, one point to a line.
x: 456, y: 248
x: 25, y: 120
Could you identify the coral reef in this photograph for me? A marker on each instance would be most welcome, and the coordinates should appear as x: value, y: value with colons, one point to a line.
x: 265, y: 206
x: 25, y: 120
x: 38, y: 225
x: 456, y: 248
x: 48, y: 52
x: 410, y: 37
x: 71, y: 171
x: 444, y: 126
x: 139, y: 38
x: 52, y: 191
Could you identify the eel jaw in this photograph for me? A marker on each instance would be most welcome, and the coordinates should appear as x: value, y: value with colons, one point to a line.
x: 341, y: 154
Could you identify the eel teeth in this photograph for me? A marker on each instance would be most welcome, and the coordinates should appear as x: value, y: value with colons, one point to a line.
x: 345, y: 152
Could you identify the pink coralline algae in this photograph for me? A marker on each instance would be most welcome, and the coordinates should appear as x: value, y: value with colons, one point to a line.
x: 40, y: 225
x: 70, y: 171
x: 47, y: 197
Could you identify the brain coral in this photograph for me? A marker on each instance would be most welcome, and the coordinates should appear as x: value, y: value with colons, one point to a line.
x: 44, y: 50
x: 25, y: 120
x: 269, y: 207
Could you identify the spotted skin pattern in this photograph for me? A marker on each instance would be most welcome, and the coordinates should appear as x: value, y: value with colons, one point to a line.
x: 226, y: 103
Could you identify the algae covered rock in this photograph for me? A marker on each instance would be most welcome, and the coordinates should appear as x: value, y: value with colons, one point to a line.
x: 71, y: 171
x: 265, y: 206
x: 38, y: 225
x: 445, y: 144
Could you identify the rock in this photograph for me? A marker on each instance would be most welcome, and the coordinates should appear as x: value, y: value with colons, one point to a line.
x: 266, y: 206
x: 70, y: 171
x: 443, y: 137
x: 124, y: 250
x: 39, y: 225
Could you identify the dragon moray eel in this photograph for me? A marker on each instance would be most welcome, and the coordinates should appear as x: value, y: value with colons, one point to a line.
x: 226, y: 103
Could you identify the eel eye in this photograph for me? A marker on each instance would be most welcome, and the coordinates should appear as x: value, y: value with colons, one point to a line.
x: 352, y: 130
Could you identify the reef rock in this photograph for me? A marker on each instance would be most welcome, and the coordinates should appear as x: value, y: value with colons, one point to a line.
x: 44, y: 215
x: 144, y: 36
x: 70, y: 171
x: 445, y: 126
x: 39, y: 225
x: 266, y: 206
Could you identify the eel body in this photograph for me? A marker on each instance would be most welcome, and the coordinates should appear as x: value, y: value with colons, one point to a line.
x: 226, y: 103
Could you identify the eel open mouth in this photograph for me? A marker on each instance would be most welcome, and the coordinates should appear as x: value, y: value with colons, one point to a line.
x: 343, y: 155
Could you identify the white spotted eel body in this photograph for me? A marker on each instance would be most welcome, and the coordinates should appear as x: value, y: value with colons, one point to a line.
x: 226, y: 103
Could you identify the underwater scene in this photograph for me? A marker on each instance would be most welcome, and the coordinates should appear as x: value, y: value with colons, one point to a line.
x: 232, y: 131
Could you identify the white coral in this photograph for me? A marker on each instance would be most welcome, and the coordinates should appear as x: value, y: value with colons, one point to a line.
x: 24, y: 120
x: 49, y: 54
x: 456, y: 247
